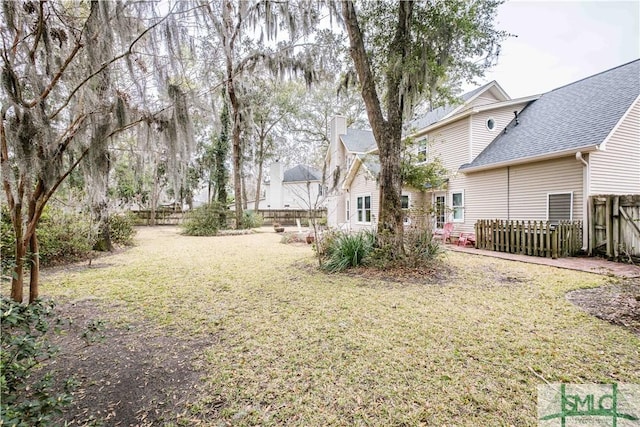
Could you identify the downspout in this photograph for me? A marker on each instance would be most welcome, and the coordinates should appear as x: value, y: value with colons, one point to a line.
x: 585, y: 198
x: 508, y: 193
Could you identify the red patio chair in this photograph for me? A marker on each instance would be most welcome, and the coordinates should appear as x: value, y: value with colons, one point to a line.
x: 444, y: 233
x: 466, y: 238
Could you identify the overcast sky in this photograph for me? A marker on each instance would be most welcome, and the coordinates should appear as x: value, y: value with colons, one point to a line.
x: 563, y: 41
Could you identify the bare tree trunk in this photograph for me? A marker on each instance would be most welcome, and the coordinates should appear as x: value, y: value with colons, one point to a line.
x: 17, y: 281
x: 245, y: 198
x: 154, y: 194
x: 236, y: 153
x: 258, y: 184
x: 34, y: 277
x: 388, y: 133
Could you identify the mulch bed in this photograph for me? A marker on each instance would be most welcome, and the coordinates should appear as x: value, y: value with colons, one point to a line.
x: 617, y: 303
x: 130, y: 375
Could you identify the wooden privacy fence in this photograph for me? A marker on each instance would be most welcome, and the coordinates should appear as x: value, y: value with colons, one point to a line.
x: 536, y: 238
x: 164, y: 216
x: 614, y: 226
x: 289, y: 216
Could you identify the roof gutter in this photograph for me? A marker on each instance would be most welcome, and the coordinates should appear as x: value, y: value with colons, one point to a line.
x: 538, y: 158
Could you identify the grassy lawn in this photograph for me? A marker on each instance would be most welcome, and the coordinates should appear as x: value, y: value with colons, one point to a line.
x: 291, y: 345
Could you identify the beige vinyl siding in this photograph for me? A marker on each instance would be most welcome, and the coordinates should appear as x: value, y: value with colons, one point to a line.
x: 530, y: 184
x: 484, y: 99
x: 363, y: 185
x: 481, y: 136
x: 617, y: 169
x: 451, y: 145
x: 485, y: 196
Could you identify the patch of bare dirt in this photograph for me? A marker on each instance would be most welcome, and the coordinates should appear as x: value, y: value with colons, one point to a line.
x: 128, y: 375
x: 617, y: 303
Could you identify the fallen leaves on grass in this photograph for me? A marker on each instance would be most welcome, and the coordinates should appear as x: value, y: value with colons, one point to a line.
x: 295, y: 346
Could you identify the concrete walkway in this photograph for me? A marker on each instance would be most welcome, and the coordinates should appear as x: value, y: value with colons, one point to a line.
x: 588, y: 264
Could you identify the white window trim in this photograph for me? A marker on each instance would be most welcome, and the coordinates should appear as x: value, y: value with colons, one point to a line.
x: 364, y: 210
x: 425, y: 141
x: 348, y: 210
x: 453, y: 207
x: 408, y: 200
x: 486, y: 124
x: 570, y: 206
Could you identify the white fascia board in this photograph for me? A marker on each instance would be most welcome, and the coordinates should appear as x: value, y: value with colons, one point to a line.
x: 603, y: 145
x: 531, y: 159
x: 471, y: 111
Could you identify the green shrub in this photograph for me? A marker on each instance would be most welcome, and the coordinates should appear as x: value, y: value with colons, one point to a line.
x: 62, y: 238
x: 251, y: 219
x: 420, y: 247
x: 121, y: 228
x: 348, y: 250
x: 203, y: 220
x: 27, y: 394
x: 65, y: 237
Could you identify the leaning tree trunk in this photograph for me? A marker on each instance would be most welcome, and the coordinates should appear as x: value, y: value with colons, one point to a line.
x: 34, y: 277
x: 17, y: 281
x: 259, y: 181
x: 388, y: 133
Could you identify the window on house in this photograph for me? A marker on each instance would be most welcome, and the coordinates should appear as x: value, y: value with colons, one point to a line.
x: 348, y: 210
x: 320, y: 190
x: 457, y: 206
x: 364, y: 208
x: 440, y: 211
x: 423, y: 150
x: 491, y: 124
x: 404, y: 200
x: 560, y: 207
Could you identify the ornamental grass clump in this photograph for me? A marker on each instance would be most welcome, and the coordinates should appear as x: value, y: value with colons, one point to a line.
x: 203, y: 220
x: 348, y: 250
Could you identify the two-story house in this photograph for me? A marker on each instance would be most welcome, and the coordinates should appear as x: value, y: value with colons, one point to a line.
x: 531, y: 158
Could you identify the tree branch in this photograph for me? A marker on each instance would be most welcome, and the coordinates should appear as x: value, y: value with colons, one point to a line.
x: 363, y: 68
x: 111, y: 61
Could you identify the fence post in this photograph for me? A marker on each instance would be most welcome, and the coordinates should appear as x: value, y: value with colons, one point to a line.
x: 554, y: 243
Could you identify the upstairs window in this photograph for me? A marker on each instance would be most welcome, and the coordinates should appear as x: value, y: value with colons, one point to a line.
x: 423, y: 150
x: 404, y: 201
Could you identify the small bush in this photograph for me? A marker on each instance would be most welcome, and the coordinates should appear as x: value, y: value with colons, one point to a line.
x: 349, y: 250
x: 27, y: 396
x: 251, y: 219
x: 203, y: 221
x: 121, y: 228
x: 64, y: 237
x: 420, y: 247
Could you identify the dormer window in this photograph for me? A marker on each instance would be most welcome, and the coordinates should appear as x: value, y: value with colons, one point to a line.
x: 491, y: 124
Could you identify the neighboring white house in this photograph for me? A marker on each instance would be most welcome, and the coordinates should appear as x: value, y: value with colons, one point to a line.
x: 532, y: 158
x: 297, y: 188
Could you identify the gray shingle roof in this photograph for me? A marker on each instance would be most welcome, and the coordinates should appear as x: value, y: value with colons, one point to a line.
x: 359, y: 141
x: 372, y: 163
x: 439, y: 113
x: 302, y: 173
x: 574, y: 116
